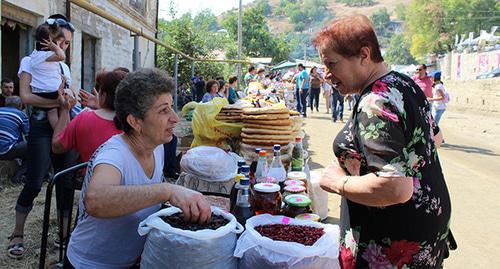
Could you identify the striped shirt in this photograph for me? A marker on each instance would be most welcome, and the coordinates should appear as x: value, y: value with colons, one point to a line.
x: 13, y: 124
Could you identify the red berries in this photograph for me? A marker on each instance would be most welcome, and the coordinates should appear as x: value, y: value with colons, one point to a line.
x: 304, y: 235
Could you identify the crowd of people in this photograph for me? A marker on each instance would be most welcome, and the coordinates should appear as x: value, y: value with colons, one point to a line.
x: 394, y: 195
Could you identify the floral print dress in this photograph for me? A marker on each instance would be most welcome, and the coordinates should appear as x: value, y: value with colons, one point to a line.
x: 391, y: 133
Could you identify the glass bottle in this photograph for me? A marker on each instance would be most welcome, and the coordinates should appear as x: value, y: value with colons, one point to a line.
x: 298, y: 155
x: 253, y: 165
x: 262, y: 168
x: 277, y: 170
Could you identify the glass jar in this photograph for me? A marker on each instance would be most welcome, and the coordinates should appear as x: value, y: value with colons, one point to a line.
x: 308, y: 216
x: 297, y: 204
x: 297, y: 175
x: 293, y: 189
x: 266, y: 198
x: 292, y: 182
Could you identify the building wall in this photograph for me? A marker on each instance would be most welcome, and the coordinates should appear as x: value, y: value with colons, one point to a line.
x: 466, y: 66
x: 114, y: 45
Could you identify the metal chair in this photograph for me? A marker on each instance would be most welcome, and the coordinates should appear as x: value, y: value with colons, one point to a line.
x: 46, y: 217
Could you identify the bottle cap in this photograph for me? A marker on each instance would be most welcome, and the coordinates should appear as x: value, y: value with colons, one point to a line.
x: 277, y: 147
x: 294, y: 188
x: 241, y: 163
x: 298, y: 200
x: 308, y: 216
x: 292, y: 182
x: 297, y: 175
x: 262, y: 153
x: 267, y: 187
x: 257, y: 150
x: 298, y: 139
x: 238, y: 177
x: 245, y: 181
x: 245, y: 169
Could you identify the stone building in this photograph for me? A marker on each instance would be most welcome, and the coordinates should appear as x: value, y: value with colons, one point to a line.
x: 97, y: 43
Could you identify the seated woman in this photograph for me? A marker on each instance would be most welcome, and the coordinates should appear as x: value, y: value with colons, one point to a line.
x: 123, y: 184
x: 81, y: 133
x: 212, y: 90
x: 398, y: 206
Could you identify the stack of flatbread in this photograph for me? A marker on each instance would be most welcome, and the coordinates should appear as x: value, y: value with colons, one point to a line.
x: 296, y: 123
x: 230, y: 114
x: 263, y: 128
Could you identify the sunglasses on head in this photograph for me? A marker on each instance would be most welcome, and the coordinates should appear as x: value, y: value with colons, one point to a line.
x: 62, y: 23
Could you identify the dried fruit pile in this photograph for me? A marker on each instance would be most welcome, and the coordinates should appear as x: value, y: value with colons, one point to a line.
x: 177, y: 221
x: 304, y: 235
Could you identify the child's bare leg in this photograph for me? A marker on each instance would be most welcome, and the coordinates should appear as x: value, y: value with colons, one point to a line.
x: 53, y: 117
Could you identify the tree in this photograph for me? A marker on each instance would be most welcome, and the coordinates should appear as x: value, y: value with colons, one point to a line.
x: 432, y: 24
x: 356, y: 3
x: 257, y: 39
x: 398, y: 51
x: 380, y: 20
x: 264, y: 6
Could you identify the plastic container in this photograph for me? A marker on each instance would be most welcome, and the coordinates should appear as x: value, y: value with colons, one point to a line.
x: 296, y: 204
x: 266, y: 198
x: 294, y: 183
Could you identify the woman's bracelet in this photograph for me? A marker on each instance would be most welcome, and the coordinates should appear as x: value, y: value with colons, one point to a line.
x: 344, y: 181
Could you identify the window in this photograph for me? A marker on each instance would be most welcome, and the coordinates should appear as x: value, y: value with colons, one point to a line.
x: 139, y: 6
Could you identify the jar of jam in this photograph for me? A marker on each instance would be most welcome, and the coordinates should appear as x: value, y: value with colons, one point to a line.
x: 308, y: 216
x: 297, y: 175
x: 266, y: 198
x: 292, y: 182
x: 293, y: 189
x: 297, y: 204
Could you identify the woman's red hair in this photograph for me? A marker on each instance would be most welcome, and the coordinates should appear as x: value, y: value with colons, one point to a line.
x: 346, y: 36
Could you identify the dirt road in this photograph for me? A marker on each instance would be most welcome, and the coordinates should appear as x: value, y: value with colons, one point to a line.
x: 471, y: 162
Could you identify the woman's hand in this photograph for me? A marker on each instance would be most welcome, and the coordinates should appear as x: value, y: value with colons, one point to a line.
x: 89, y: 99
x: 194, y: 206
x: 66, y: 101
x: 331, y: 179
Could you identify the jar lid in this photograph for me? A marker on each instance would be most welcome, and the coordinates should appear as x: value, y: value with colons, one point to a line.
x: 295, y: 188
x: 267, y: 187
x: 298, y: 200
x: 293, y: 182
x: 297, y: 175
x: 238, y: 177
x: 308, y: 216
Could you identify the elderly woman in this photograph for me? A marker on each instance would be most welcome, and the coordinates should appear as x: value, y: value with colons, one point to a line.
x: 388, y: 172
x: 212, y: 90
x: 123, y: 184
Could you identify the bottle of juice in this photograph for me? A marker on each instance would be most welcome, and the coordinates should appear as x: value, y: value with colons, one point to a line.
x: 298, y: 155
x: 243, y: 210
x: 253, y: 165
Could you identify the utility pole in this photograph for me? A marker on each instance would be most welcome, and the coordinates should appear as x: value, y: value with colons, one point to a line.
x: 240, y: 18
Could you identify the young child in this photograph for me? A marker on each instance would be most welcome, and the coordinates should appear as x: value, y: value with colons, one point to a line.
x: 46, y: 70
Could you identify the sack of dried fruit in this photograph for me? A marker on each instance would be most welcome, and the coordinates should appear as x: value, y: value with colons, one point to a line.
x: 188, y: 245
x: 318, y: 247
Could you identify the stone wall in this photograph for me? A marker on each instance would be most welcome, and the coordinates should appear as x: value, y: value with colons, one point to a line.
x: 113, y: 44
x: 477, y: 95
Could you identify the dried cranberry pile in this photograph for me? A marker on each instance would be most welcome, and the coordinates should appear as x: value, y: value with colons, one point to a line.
x: 304, y: 235
x: 177, y: 221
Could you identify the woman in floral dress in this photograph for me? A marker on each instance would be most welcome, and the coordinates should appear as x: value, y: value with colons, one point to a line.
x: 397, y: 204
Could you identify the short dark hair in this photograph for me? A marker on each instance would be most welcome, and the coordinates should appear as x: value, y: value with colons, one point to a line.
x: 251, y: 68
x: 58, y: 16
x: 106, y: 83
x: 120, y: 68
x: 261, y: 70
x: 232, y: 79
x: 13, y: 101
x: 210, y: 83
x: 45, y: 30
x: 221, y: 84
x: 301, y: 66
x: 346, y: 36
x: 137, y: 92
x: 6, y: 80
x: 424, y: 66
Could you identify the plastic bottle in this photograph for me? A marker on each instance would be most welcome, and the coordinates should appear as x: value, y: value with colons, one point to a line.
x: 277, y: 170
x: 262, y: 167
x: 242, y: 210
x: 234, y: 191
x: 298, y: 155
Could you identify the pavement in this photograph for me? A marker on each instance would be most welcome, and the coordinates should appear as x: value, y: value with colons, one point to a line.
x: 471, y: 164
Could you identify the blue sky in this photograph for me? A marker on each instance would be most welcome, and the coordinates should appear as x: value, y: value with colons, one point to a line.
x: 195, y: 6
